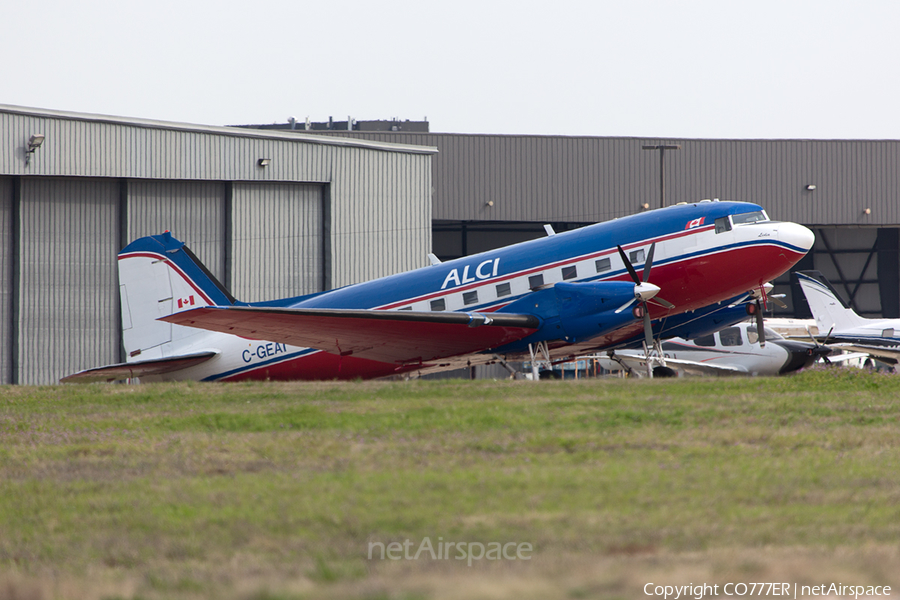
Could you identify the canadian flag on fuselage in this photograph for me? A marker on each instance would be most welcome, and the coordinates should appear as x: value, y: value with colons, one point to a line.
x: 695, y: 223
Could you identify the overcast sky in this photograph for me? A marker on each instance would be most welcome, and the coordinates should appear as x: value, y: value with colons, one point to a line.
x: 684, y: 69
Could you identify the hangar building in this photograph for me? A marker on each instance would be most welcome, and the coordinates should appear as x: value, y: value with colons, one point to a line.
x: 271, y: 214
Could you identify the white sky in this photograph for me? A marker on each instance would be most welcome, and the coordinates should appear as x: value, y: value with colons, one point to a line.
x: 706, y: 68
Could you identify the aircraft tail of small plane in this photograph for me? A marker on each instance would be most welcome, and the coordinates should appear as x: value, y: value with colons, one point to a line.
x: 829, y: 311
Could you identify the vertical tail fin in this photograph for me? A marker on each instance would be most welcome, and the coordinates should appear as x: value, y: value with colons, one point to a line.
x: 829, y: 311
x: 158, y: 276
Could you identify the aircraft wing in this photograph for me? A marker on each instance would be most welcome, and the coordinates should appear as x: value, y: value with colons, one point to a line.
x: 139, y: 368
x: 638, y: 362
x: 403, y: 337
x: 889, y: 354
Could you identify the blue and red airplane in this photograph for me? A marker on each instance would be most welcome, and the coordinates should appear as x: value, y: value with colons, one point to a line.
x: 675, y: 271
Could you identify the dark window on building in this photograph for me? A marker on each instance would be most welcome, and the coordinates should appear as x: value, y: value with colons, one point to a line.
x: 636, y: 257
x: 470, y: 297
x: 706, y: 340
x: 723, y: 224
x: 503, y: 289
x: 438, y: 304
x: 602, y: 264
x: 570, y: 272
x: 535, y: 281
x: 731, y: 336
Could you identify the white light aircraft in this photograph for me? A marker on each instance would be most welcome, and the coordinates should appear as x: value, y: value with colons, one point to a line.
x: 845, y: 328
x: 733, y: 350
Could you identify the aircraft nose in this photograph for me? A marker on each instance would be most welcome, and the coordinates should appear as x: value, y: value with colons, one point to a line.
x: 796, y: 235
x: 800, y: 355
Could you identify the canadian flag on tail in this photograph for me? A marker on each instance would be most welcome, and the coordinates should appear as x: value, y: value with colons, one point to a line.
x: 189, y: 301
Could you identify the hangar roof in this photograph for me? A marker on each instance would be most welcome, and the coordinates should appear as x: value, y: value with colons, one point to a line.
x: 214, y: 129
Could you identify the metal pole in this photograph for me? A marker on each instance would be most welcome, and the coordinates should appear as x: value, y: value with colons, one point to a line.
x: 662, y: 168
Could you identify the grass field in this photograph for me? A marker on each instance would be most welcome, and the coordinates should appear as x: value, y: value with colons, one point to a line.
x: 277, y: 491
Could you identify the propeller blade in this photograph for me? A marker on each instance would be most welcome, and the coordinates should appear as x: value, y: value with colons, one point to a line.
x: 809, y: 333
x: 760, y: 328
x: 629, y: 266
x: 663, y: 303
x: 626, y: 305
x: 649, y: 262
x: 777, y: 299
x: 648, y: 329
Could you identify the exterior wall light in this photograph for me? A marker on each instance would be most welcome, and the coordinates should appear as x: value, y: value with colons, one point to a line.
x: 34, y: 142
x: 810, y: 187
x: 263, y: 163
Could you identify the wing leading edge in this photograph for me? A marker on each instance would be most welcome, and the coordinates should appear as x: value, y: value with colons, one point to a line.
x: 399, y: 337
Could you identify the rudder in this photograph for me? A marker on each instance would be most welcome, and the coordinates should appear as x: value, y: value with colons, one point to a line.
x: 829, y: 311
x: 158, y: 276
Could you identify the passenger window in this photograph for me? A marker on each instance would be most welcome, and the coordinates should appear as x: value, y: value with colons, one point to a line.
x: 636, y: 257
x: 602, y: 264
x: 535, y: 281
x: 470, y: 297
x: 723, y: 224
x: 731, y: 336
x: 438, y: 304
x: 570, y: 272
x: 405, y: 308
x: 706, y: 340
x: 503, y: 289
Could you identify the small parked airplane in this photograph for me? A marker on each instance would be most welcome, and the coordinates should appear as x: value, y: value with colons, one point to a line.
x: 562, y: 295
x: 877, y: 337
x: 734, y: 350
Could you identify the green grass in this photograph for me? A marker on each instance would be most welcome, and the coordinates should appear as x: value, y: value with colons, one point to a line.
x: 276, y: 490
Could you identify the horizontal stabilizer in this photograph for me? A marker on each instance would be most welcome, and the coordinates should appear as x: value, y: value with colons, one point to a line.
x: 401, y: 337
x: 139, y: 368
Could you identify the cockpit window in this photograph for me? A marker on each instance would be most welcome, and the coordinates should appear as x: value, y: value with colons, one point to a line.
x: 770, y: 335
x: 750, y: 217
x: 723, y: 224
x: 730, y: 336
x: 706, y: 340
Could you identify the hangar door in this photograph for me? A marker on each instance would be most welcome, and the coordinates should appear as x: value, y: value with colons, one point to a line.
x: 69, y: 311
x: 193, y: 211
x: 277, y: 240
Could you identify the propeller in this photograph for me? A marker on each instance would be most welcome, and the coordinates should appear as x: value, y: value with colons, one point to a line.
x: 756, y: 308
x: 823, y: 346
x: 644, y: 292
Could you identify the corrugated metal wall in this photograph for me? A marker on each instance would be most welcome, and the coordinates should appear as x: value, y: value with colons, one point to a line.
x: 69, y: 315
x: 193, y: 211
x: 6, y: 264
x: 580, y: 179
x: 380, y: 227
x: 277, y: 240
